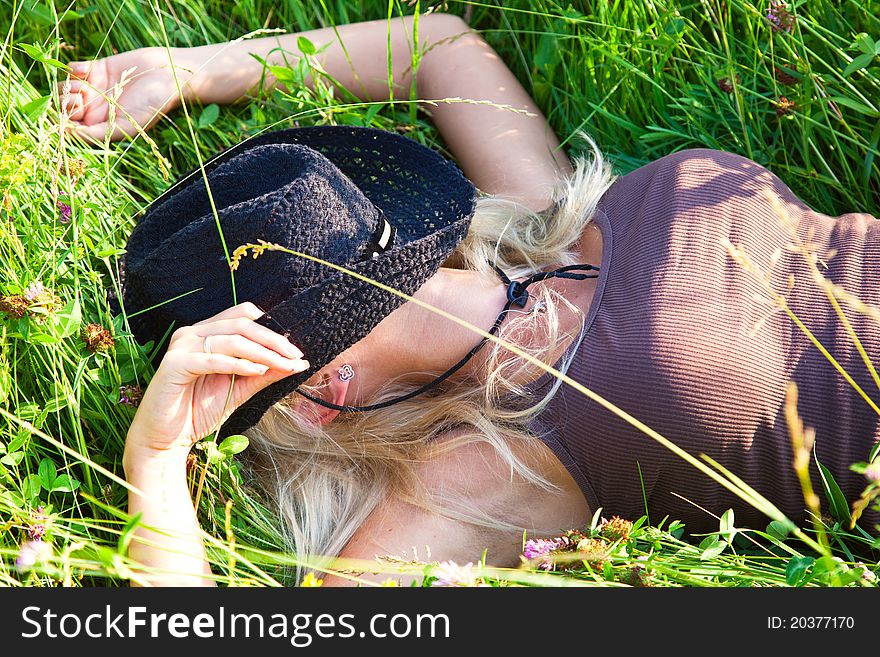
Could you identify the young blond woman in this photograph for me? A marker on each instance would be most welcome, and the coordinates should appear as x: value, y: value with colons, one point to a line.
x: 415, y: 432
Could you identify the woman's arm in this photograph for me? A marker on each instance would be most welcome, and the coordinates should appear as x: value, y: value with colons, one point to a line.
x: 172, y: 552
x: 190, y: 394
x: 507, y: 150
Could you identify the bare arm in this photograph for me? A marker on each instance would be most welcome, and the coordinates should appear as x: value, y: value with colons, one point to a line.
x: 185, y: 401
x: 171, y: 552
x: 507, y: 152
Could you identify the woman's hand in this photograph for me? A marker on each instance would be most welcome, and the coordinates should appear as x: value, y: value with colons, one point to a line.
x: 187, y: 397
x: 138, y: 84
x: 501, y: 140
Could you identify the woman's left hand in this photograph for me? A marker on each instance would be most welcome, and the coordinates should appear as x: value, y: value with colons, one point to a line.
x: 194, y: 390
x: 138, y: 87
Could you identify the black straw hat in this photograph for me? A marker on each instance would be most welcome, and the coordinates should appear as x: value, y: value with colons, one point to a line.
x: 369, y: 200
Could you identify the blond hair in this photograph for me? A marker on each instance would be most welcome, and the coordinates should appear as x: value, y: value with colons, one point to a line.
x: 326, y: 480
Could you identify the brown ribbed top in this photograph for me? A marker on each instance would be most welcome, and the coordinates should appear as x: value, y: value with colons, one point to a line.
x: 680, y: 336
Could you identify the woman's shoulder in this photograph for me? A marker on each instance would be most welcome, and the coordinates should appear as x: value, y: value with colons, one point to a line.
x: 698, y: 163
x: 694, y: 177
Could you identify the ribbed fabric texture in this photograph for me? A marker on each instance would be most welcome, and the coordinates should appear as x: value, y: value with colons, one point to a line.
x: 682, y: 337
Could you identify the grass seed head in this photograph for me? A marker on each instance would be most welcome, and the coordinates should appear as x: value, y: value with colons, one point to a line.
x: 256, y: 250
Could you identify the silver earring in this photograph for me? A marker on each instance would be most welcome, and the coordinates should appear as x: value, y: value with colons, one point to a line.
x: 346, y: 373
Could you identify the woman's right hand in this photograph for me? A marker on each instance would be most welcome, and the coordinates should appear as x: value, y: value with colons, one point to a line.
x: 147, y: 93
x: 187, y: 398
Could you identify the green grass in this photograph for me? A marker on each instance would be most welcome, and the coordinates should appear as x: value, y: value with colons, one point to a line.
x: 644, y: 78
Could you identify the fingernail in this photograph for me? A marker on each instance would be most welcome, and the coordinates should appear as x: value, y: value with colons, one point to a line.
x: 292, y: 351
x: 262, y: 369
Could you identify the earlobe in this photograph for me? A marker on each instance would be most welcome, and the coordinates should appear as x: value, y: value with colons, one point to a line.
x: 334, y: 392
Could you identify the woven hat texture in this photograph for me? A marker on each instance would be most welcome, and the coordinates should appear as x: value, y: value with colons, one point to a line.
x: 322, y: 191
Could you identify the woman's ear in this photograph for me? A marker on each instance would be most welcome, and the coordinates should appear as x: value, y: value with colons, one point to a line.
x: 333, y: 390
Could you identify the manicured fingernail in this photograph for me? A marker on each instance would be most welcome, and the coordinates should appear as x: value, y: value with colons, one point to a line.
x: 262, y: 369
x: 292, y: 351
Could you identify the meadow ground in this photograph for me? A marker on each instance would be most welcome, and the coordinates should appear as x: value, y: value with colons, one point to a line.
x: 795, y: 90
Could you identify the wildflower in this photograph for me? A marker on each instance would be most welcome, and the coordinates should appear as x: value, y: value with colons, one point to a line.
x: 866, y: 574
x: 616, y: 529
x: 780, y: 17
x: 36, y: 532
x: 38, y: 529
x: 76, y: 168
x: 637, y: 575
x: 783, y: 106
x: 594, y: 551
x: 64, y: 211
x: 14, y: 305
x: 872, y: 472
x: 130, y: 395
x: 310, y: 581
x: 34, y: 290
x: 784, y: 77
x: 37, y: 300
x: 571, y: 538
x: 726, y: 84
x: 388, y: 582
x: 541, y: 549
x: 97, y: 338
x: 32, y: 553
x: 449, y: 573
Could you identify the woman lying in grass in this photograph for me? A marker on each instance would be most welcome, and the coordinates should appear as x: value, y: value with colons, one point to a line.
x: 379, y: 425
